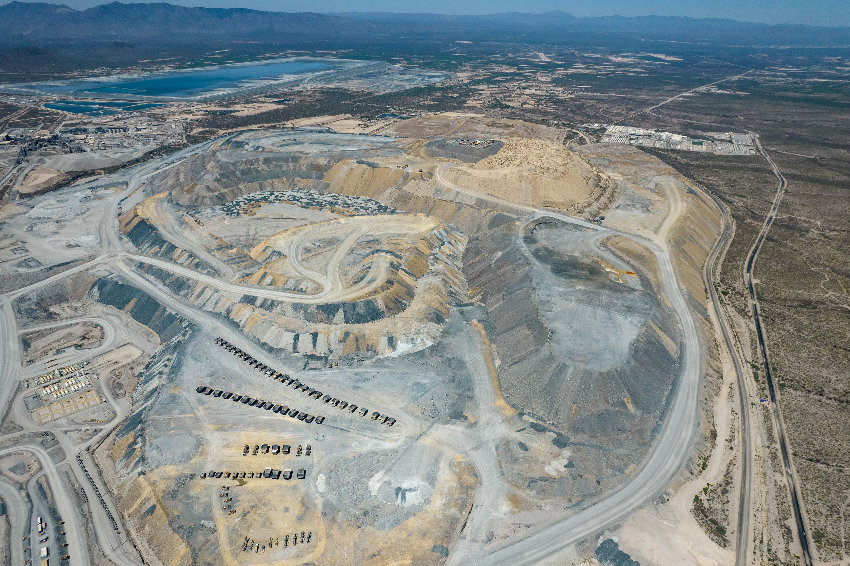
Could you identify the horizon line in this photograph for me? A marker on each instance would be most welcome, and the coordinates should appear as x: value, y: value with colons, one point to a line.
x: 459, y: 15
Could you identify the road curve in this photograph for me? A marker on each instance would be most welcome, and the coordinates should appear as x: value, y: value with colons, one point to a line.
x: 324, y: 296
x: 742, y: 537
x: 662, y: 463
x: 667, y: 454
x: 61, y: 275
x: 438, y: 176
x: 11, y: 356
x: 64, y: 505
x: 664, y: 460
x: 777, y: 416
x: 71, y: 356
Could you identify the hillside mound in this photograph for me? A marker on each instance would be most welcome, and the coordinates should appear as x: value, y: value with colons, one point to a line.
x: 531, y: 173
x: 476, y: 126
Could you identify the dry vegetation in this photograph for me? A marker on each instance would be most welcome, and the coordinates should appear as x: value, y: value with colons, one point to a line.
x: 803, y: 283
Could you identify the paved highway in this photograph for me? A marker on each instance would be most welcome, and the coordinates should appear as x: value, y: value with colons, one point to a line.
x: 742, y: 536
x: 71, y: 356
x: 681, y: 94
x: 777, y: 416
x: 594, y: 516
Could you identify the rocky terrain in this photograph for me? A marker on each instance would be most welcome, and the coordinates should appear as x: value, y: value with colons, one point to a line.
x: 460, y: 360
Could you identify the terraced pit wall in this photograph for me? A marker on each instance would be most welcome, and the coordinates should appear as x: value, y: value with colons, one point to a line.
x: 205, y: 180
x: 616, y: 402
x: 150, y: 242
x: 544, y: 298
x: 139, y: 305
x: 422, y: 287
x: 125, y: 458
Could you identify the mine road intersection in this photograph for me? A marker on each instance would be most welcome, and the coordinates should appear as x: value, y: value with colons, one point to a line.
x: 664, y: 460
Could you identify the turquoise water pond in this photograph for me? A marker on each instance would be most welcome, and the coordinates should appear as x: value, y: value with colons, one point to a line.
x: 190, y: 83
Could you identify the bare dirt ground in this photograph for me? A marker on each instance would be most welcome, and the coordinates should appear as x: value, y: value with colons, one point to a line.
x: 513, y: 364
x: 529, y: 173
x: 44, y: 343
x: 461, y: 125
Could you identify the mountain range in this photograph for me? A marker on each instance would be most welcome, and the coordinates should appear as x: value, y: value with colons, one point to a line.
x: 32, y: 23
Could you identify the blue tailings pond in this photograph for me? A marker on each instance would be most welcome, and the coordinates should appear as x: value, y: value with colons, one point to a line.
x: 189, y: 83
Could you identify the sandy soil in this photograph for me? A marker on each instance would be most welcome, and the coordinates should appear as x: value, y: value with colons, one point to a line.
x: 454, y: 124
x: 669, y: 533
x: 46, y: 342
x: 531, y: 173
x: 353, y: 126
x: 37, y: 179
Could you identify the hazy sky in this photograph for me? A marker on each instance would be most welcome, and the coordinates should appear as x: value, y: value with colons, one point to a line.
x: 815, y: 12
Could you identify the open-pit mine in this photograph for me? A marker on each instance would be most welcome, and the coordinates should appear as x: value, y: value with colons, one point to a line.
x: 458, y: 341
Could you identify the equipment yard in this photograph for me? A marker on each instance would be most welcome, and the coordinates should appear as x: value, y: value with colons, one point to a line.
x: 346, y: 301
x: 482, y: 301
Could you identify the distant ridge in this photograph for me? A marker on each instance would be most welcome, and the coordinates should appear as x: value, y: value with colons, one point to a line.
x: 28, y: 24
x: 39, y: 22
